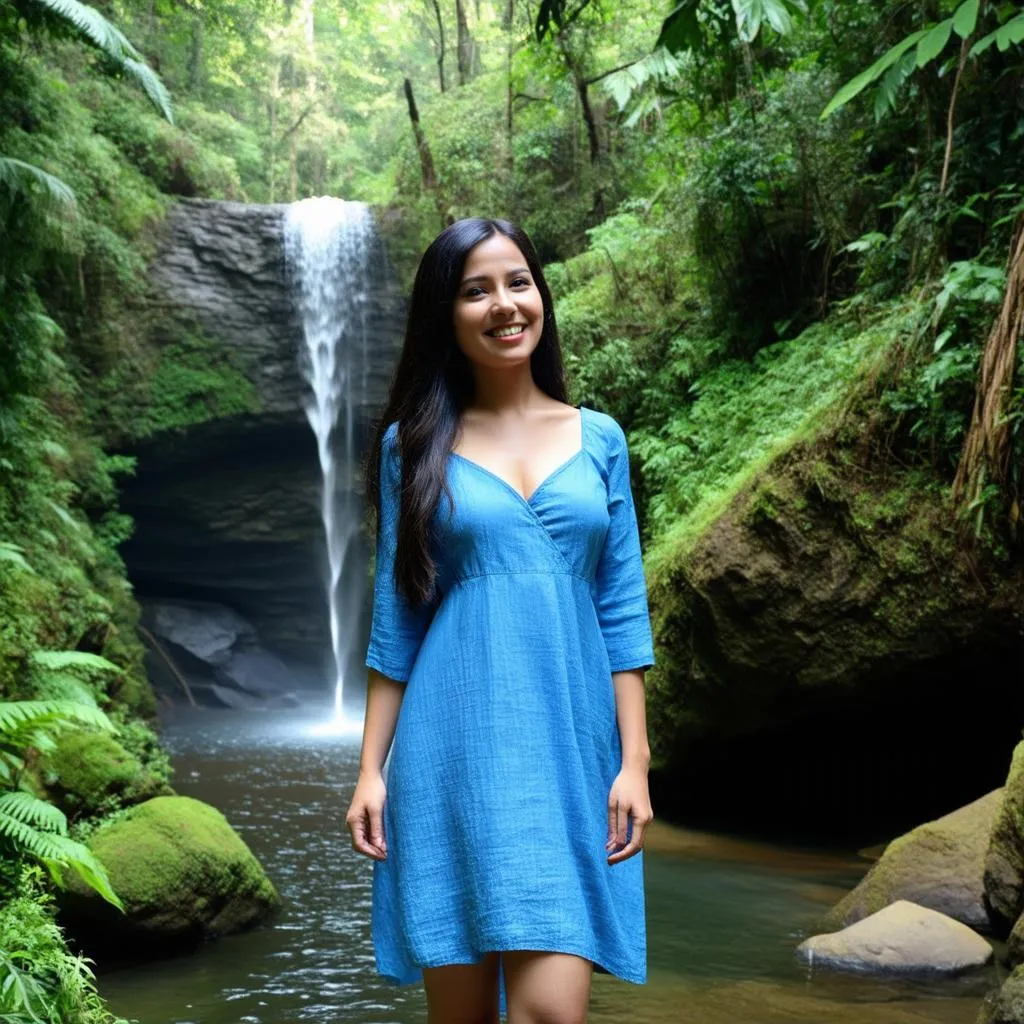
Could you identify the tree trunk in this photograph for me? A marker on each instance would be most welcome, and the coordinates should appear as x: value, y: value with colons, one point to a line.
x: 426, y: 160
x: 195, y: 53
x: 988, y: 447
x: 465, y: 47
x: 580, y: 82
x: 440, y: 45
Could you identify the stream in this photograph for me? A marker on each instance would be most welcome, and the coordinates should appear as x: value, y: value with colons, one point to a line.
x: 723, y: 914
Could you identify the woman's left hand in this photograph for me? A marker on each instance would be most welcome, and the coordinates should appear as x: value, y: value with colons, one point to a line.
x: 628, y: 797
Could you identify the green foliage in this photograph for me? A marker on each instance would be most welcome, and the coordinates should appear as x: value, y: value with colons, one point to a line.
x: 41, y: 982
x: 30, y: 827
x: 921, y: 48
x: 113, y: 42
x: 740, y: 413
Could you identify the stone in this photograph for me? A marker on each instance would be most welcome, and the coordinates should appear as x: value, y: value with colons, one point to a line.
x: 182, y: 873
x: 90, y: 773
x: 900, y: 938
x: 1006, y: 1004
x: 939, y: 865
x: 1004, y: 860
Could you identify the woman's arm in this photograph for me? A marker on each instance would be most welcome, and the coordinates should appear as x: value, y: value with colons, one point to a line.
x: 631, y: 712
x: 365, y: 815
x: 383, y: 702
x: 629, y: 796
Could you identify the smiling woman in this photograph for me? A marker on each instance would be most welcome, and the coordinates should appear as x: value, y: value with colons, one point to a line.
x: 506, y: 656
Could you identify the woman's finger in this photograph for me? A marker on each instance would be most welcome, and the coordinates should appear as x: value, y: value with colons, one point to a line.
x: 376, y: 815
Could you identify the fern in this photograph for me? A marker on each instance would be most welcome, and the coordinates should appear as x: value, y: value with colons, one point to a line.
x: 13, y: 553
x: 113, y: 42
x: 73, y: 659
x: 19, y: 176
x: 32, y: 811
x: 30, y: 827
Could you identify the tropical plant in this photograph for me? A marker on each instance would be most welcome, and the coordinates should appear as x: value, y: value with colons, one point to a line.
x: 30, y: 827
x: 20, y: 177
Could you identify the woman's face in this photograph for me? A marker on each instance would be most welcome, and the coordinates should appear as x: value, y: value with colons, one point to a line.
x: 498, y: 311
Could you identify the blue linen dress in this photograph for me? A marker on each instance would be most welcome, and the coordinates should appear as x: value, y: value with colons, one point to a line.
x: 506, y: 743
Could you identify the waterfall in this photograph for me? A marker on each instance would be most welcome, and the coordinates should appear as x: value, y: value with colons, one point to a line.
x: 328, y: 245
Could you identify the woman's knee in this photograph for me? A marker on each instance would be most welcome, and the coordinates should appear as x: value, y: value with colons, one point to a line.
x: 547, y: 988
x: 463, y: 993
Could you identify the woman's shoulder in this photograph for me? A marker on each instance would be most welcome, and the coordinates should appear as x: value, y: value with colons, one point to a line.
x: 607, y: 430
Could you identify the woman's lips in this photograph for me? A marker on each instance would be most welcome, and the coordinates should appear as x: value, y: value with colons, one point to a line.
x: 507, y: 337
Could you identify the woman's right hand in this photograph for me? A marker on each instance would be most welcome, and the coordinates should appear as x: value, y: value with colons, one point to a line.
x: 365, y: 817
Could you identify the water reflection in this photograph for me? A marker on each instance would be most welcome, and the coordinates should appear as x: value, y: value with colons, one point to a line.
x: 723, y: 915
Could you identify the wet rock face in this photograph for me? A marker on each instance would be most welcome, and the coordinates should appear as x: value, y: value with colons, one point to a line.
x: 938, y: 865
x: 824, y: 647
x: 228, y: 510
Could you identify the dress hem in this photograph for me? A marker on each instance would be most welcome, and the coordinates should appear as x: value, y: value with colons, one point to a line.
x: 633, y: 977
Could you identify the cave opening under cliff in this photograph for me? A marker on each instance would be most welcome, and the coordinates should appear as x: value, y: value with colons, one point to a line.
x: 862, y: 765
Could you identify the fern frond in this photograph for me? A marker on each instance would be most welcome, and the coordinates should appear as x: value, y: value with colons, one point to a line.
x: 113, y: 42
x: 31, y: 811
x: 73, y: 659
x: 151, y: 84
x: 57, y: 852
x: 19, y: 176
x: 21, y: 715
x: 13, y: 553
x: 102, y: 33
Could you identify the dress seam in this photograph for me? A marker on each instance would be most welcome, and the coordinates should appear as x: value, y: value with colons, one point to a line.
x: 520, y: 572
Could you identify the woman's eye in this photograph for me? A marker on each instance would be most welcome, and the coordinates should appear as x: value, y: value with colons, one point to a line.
x: 521, y: 280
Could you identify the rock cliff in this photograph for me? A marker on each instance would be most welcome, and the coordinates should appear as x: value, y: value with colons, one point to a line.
x: 227, y: 507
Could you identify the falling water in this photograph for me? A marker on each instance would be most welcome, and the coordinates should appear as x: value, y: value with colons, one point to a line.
x: 327, y: 245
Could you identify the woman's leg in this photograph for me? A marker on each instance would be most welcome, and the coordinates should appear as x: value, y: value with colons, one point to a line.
x: 463, y: 993
x: 546, y: 988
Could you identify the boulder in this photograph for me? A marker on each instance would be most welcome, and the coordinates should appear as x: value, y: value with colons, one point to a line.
x: 900, y: 938
x: 1004, y: 860
x: 1005, y: 1005
x: 939, y: 865
x: 183, y: 874
x: 90, y: 773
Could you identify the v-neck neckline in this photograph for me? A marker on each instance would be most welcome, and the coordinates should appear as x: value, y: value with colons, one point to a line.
x: 558, y: 469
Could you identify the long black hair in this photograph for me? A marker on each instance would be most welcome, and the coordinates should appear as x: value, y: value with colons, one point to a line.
x: 431, y: 386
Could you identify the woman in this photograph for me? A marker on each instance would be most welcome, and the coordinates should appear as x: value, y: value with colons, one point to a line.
x: 511, y: 630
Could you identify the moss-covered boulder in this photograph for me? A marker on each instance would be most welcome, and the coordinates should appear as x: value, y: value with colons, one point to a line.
x: 938, y: 865
x: 91, y: 773
x: 824, y: 647
x: 1006, y: 1004
x: 181, y: 871
x: 1004, y: 860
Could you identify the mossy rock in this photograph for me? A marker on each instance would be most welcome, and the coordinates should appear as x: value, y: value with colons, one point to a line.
x: 183, y: 874
x: 938, y: 865
x: 1005, y: 1005
x: 1004, y: 860
x: 91, y: 773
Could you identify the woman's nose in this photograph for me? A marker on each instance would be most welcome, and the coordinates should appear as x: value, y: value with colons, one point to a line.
x: 503, y: 301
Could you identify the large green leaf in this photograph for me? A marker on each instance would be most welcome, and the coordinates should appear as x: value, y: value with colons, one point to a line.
x: 860, y: 82
x: 752, y: 14
x: 680, y: 31
x: 934, y: 42
x: 1006, y: 35
x: 19, y: 176
x: 965, y: 18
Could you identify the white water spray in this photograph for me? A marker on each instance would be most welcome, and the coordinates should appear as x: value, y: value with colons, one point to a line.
x: 327, y: 244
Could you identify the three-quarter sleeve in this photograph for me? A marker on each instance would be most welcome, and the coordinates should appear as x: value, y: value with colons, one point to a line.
x: 620, y: 590
x: 397, y: 628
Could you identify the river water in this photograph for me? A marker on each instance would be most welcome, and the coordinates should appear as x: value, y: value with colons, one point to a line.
x: 723, y: 915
